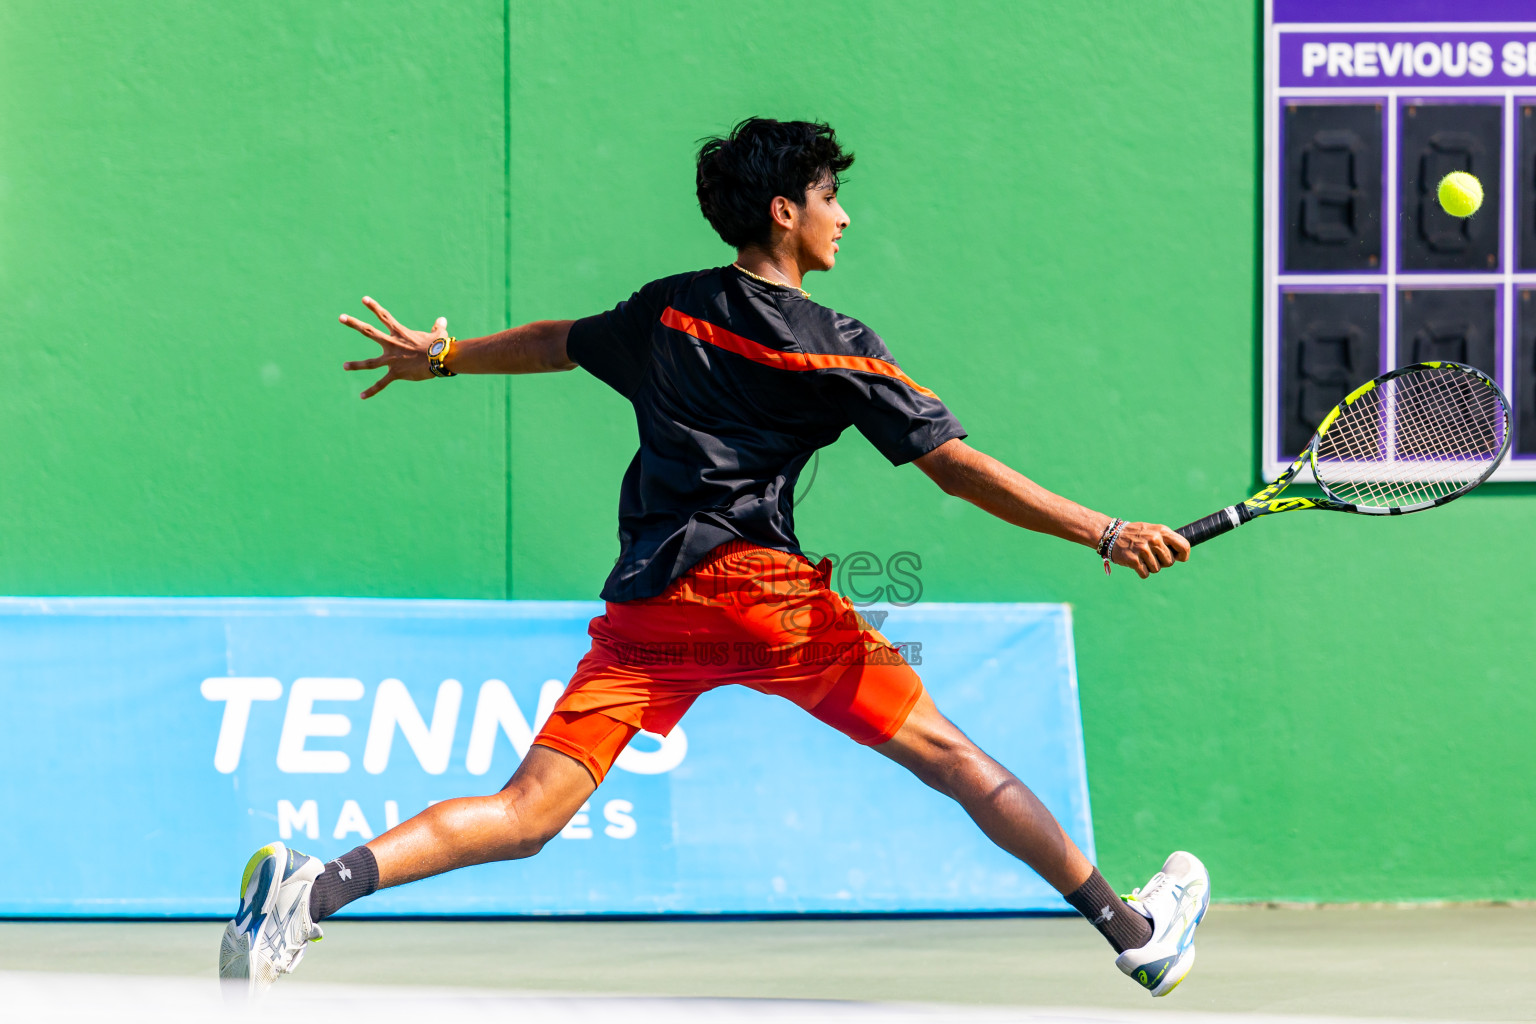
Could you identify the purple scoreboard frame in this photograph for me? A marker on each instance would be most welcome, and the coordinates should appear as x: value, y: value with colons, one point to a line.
x: 1397, y: 53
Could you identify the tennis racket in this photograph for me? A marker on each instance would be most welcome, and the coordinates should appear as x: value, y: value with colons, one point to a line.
x: 1409, y: 440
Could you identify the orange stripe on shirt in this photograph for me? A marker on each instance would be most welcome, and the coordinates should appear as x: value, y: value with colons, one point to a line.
x: 719, y: 337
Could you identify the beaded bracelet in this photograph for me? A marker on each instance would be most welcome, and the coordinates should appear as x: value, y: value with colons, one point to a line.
x: 1107, y: 541
x: 1109, y: 527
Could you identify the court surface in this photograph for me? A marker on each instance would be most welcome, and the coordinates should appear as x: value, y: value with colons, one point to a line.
x: 1447, y: 963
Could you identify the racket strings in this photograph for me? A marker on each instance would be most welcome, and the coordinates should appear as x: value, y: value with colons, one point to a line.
x: 1413, y: 439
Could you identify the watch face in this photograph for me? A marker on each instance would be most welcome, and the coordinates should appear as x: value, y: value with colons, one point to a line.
x: 436, y: 349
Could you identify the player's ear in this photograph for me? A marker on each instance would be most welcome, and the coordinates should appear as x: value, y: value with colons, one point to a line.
x: 783, y: 213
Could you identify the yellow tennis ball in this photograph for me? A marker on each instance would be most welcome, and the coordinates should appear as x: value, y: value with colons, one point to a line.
x: 1460, y: 194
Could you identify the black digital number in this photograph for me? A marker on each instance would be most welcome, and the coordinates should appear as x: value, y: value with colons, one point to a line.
x: 1332, y: 187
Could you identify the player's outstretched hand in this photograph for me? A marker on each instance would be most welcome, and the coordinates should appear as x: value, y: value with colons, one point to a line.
x: 1148, y: 548
x: 405, y: 351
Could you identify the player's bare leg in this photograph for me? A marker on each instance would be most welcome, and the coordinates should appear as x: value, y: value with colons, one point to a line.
x: 937, y: 752
x: 1155, y: 942
x: 531, y: 809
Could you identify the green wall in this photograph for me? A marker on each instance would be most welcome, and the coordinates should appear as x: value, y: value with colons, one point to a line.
x: 1054, y: 226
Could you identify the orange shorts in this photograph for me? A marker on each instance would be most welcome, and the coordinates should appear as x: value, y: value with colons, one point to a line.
x: 747, y: 615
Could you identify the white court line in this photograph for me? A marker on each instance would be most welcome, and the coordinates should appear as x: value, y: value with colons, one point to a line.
x: 48, y: 998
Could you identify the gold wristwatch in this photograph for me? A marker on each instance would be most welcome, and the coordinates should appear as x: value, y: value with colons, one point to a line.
x: 437, y: 357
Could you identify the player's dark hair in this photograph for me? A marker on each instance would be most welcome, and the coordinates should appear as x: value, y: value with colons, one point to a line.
x: 739, y: 174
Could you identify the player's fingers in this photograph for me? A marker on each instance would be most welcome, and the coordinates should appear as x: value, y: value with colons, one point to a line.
x: 365, y: 329
x: 383, y: 315
x: 1176, y: 543
x: 366, y: 364
x: 1160, y: 552
x: 379, y: 385
x: 1145, y: 550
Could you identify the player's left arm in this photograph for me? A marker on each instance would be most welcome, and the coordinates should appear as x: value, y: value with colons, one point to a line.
x: 537, y: 347
x: 990, y: 485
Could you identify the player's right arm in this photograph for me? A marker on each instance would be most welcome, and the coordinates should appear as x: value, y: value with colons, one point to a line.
x: 908, y: 423
x: 537, y: 347
x: 992, y: 486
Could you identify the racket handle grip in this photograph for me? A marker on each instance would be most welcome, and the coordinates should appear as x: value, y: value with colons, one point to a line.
x: 1214, y: 525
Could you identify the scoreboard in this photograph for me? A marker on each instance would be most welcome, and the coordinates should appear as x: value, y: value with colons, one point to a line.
x: 1367, y: 105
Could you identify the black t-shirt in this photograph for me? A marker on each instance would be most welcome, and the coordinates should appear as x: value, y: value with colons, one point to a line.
x: 735, y: 384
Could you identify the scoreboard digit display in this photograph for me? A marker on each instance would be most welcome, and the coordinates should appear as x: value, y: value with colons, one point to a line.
x: 1367, y: 105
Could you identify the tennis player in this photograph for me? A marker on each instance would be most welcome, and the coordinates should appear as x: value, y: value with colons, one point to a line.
x: 736, y: 377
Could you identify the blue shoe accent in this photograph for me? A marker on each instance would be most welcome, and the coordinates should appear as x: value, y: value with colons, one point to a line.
x: 258, y: 891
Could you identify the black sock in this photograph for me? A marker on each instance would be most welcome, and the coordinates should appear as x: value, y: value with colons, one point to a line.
x: 1122, y: 926
x: 349, y: 877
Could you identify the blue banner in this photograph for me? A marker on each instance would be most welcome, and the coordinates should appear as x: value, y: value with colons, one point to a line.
x: 149, y: 745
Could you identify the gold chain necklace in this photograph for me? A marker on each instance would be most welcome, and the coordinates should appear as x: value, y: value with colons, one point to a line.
x: 772, y: 284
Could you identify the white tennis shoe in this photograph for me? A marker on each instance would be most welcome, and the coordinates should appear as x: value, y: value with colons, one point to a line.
x: 271, y: 930
x: 1174, y: 900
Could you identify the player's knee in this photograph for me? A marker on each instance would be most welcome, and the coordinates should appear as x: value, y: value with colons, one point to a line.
x: 529, y: 823
x: 943, y: 762
x: 961, y: 768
